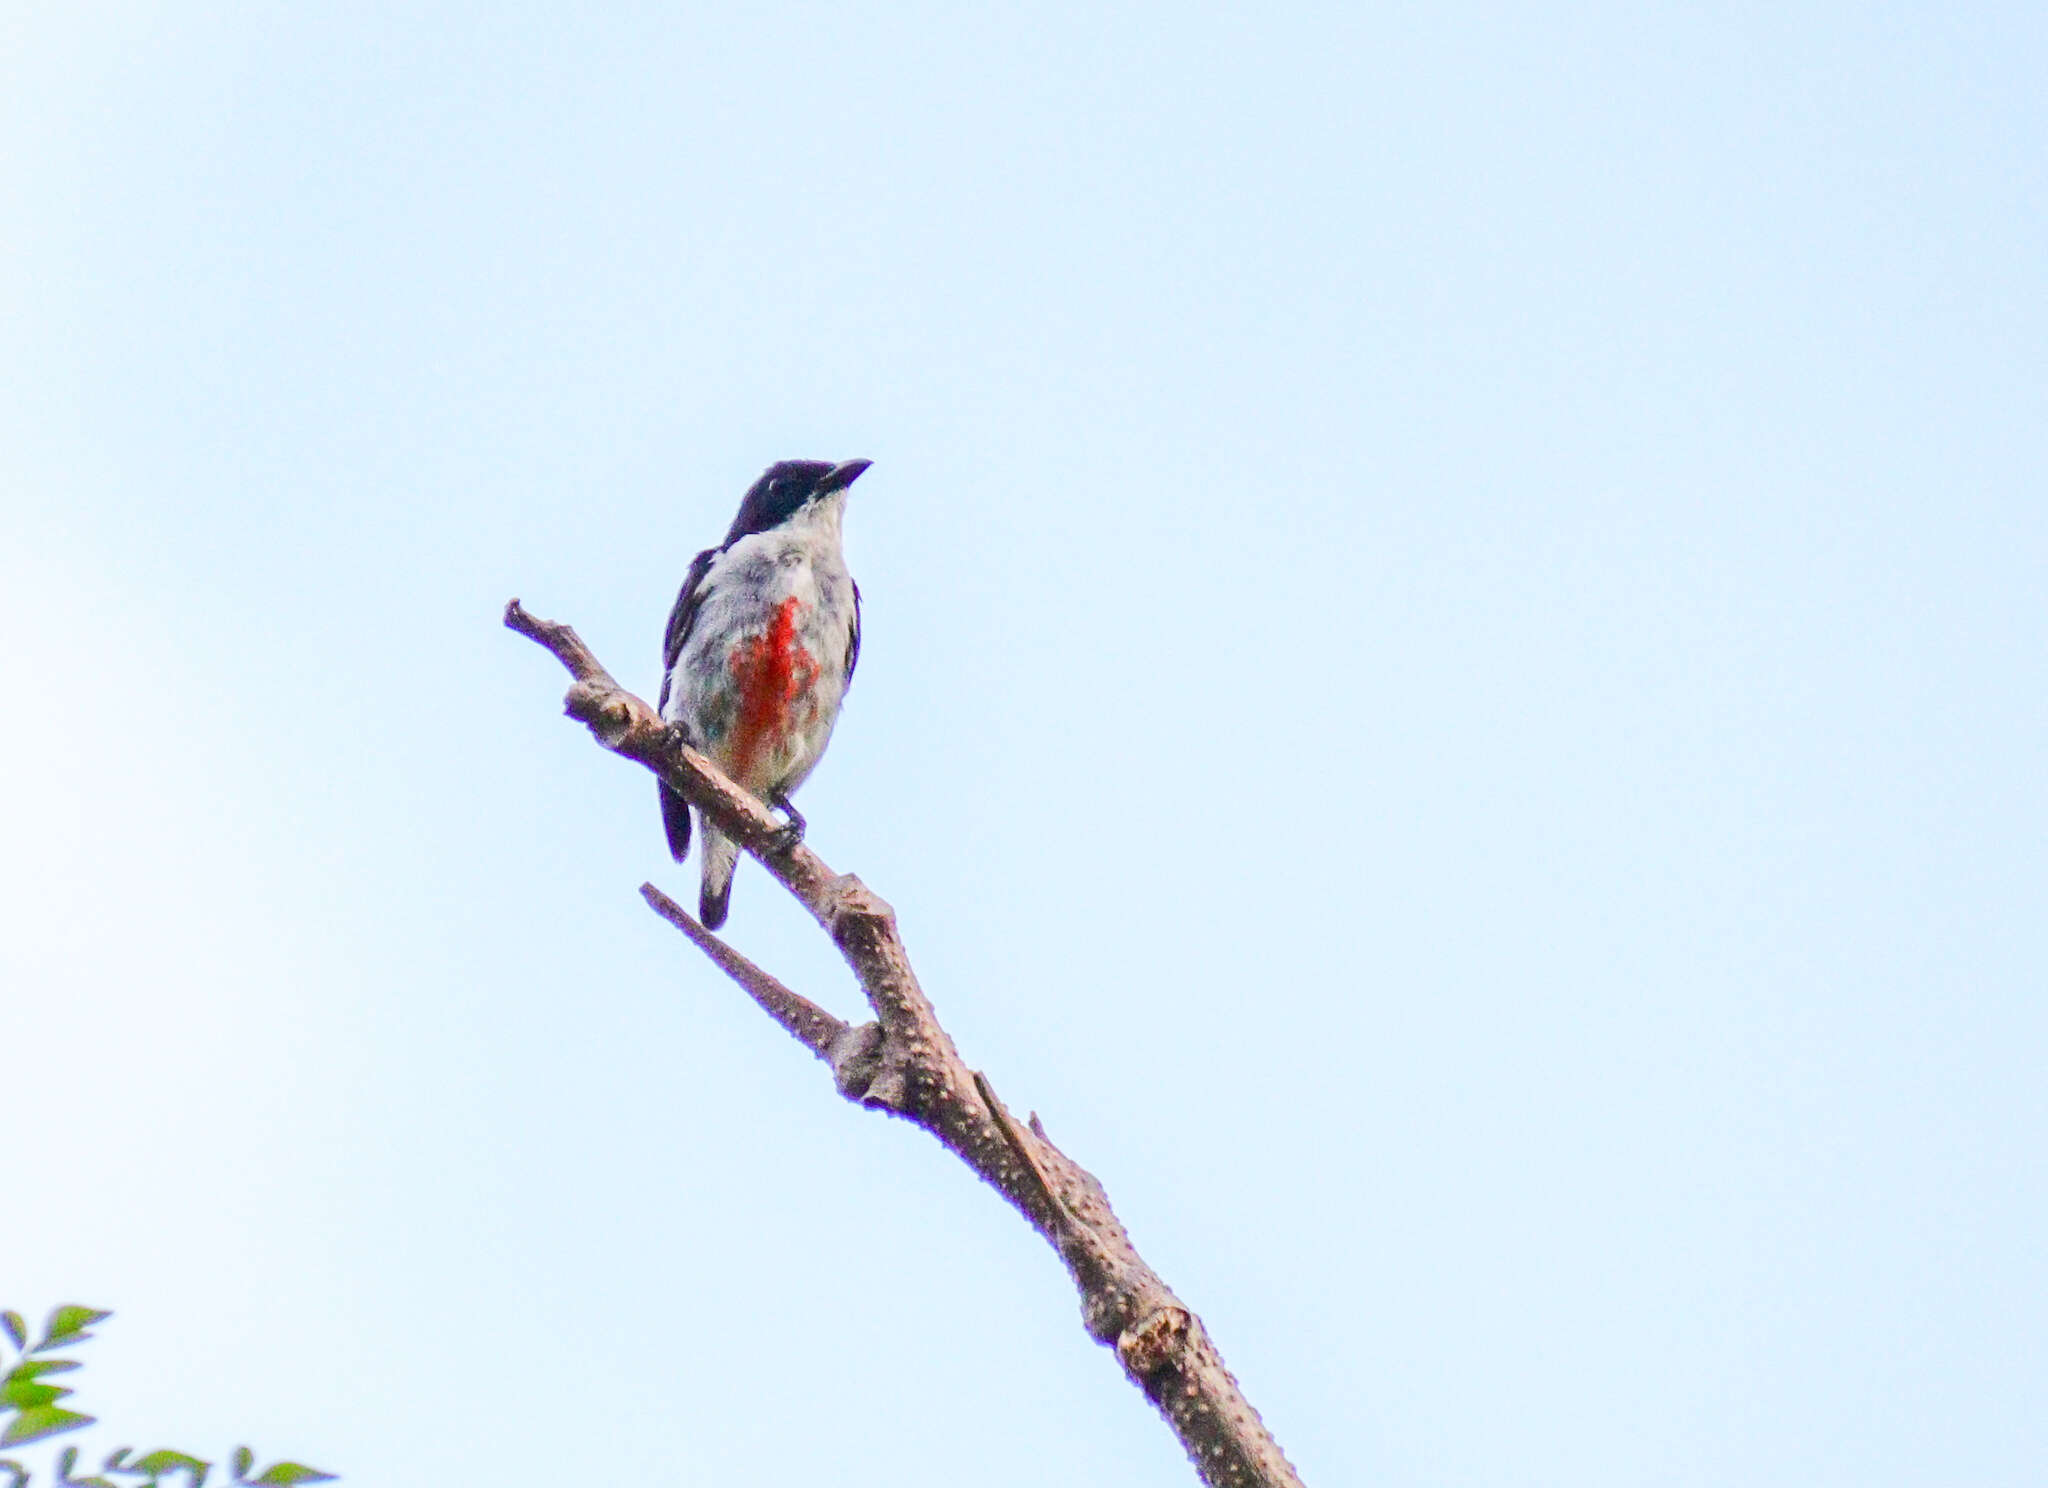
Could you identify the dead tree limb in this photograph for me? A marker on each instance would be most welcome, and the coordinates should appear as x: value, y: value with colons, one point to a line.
x: 904, y: 1062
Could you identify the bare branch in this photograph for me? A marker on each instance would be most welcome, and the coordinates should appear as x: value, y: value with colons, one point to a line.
x: 905, y: 1062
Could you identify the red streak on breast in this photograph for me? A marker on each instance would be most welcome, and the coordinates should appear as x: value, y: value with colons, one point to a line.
x: 773, y: 670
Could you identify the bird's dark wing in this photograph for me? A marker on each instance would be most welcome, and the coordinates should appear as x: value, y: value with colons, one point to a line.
x: 683, y: 616
x: 853, y: 641
x: 675, y: 811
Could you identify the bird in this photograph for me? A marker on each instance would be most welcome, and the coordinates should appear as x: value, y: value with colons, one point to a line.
x: 759, y: 651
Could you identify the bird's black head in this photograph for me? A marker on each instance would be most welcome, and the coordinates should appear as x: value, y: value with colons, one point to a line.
x: 786, y: 488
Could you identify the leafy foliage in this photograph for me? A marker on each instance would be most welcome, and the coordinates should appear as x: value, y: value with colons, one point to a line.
x: 29, y: 1408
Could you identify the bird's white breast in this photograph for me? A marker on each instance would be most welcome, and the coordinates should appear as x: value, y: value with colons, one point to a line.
x: 763, y: 672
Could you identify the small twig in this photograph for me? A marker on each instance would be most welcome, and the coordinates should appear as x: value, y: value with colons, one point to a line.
x: 1014, y: 1135
x: 811, y: 1026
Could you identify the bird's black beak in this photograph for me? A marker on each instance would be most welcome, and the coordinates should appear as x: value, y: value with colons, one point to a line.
x: 839, y: 477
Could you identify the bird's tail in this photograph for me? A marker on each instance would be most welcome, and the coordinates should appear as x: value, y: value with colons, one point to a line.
x: 721, y: 854
x: 675, y: 816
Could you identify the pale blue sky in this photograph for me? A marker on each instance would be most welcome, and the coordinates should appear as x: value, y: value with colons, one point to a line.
x: 1453, y: 691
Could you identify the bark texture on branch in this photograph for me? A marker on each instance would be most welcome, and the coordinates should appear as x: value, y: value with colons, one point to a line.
x: 904, y: 1062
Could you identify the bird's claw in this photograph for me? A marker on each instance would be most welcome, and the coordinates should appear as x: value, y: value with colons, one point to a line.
x: 792, y: 830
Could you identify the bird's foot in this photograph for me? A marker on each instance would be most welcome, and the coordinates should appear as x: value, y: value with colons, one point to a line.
x: 793, y: 830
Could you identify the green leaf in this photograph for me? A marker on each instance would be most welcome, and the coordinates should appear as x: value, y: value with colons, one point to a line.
x: 164, y: 1460
x: 44, y: 1420
x: 67, y: 1324
x: 66, y: 1460
x: 16, y: 1470
x: 16, y: 1329
x: 29, y: 1369
x: 27, y: 1394
x: 244, y: 1459
x: 292, y: 1472
x: 117, y: 1460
